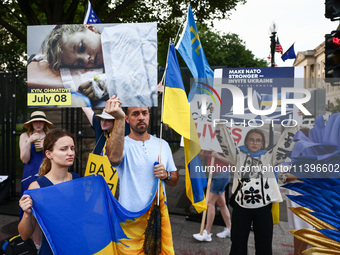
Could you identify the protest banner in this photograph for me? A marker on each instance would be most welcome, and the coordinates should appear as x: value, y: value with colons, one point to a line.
x: 246, y: 98
x: 113, y: 59
x: 205, y: 126
x: 97, y: 164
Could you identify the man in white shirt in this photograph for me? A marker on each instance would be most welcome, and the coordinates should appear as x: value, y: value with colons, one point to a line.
x: 137, y: 156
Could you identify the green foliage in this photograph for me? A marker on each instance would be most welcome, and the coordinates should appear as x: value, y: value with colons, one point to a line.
x: 12, y: 52
x: 16, y: 15
x: 336, y: 108
x: 227, y: 50
x: 220, y: 50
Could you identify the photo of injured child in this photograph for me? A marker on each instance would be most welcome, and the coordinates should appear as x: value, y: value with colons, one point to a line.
x: 89, y: 63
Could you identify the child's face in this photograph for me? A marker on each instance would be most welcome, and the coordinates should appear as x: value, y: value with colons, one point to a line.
x: 82, y: 50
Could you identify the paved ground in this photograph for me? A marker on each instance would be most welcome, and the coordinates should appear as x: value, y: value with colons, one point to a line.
x: 8, y: 226
x: 183, y: 227
x: 184, y: 221
x: 184, y: 243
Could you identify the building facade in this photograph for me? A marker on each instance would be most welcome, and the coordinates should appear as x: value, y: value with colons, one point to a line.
x: 313, y: 62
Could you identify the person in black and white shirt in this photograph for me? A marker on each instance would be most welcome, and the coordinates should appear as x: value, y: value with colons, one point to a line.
x: 255, y: 184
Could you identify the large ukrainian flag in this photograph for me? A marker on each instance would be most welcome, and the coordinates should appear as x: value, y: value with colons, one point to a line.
x: 82, y: 217
x: 177, y: 114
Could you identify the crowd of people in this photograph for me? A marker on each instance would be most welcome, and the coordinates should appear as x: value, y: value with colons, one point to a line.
x: 47, y: 156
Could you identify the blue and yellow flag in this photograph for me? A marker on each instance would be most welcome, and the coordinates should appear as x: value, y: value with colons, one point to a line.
x: 82, y: 217
x: 191, y: 50
x: 177, y: 114
x: 267, y: 100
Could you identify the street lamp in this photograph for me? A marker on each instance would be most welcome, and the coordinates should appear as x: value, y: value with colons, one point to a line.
x: 273, y: 30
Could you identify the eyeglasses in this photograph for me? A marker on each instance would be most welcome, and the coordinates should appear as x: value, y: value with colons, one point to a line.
x: 252, y: 140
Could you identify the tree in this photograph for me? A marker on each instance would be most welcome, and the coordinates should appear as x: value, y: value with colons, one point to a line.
x: 226, y: 50
x: 336, y: 108
x: 16, y: 15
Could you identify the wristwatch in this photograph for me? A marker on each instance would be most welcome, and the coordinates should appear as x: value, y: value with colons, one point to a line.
x: 169, y: 175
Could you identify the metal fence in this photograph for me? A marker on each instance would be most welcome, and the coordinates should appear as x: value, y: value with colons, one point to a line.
x: 7, y: 129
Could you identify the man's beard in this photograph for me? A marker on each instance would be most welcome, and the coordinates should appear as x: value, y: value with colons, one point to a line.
x: 140, y: 130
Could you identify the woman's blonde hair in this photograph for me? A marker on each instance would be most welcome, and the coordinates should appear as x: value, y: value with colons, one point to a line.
x: 52, y: 45
x: 49, y: 142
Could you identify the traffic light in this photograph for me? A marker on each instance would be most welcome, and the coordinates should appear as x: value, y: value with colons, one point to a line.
x: 332, y: 9
x: 332, y: 58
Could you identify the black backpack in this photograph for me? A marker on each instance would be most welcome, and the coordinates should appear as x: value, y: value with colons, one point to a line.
x: 16, y: 246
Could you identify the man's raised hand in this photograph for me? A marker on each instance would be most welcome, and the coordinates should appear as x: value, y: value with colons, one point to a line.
x: 113, y: 108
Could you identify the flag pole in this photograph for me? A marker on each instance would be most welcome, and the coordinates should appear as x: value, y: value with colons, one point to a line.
x: 183, y: 25
x: 161, y: 124
x: 207, y: 195
x: 180, y: 27
x: 163, y: 81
